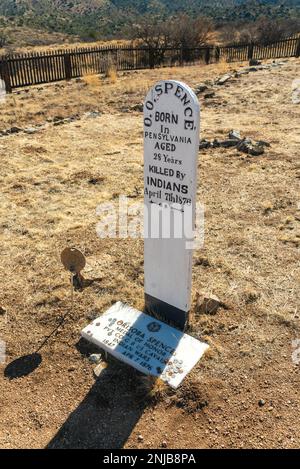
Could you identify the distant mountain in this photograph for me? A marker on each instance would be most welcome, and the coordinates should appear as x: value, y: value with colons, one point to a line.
x: 103, y: 18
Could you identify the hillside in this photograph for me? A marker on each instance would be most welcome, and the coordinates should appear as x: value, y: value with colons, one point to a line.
x: 103, y: 18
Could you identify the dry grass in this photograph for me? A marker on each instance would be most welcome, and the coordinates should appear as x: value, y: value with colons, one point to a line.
x: 52, y: 182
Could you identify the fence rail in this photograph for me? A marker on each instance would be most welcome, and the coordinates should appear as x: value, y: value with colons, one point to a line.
x: 37, y: 68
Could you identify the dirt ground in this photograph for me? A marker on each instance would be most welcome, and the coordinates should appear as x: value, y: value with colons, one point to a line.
x: 245, y: 392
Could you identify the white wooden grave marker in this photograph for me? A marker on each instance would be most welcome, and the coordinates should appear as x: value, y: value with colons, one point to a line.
x: 145, y: 343
x: 171, y: 145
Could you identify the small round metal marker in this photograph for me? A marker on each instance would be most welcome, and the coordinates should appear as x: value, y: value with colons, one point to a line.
x: 73, y: 260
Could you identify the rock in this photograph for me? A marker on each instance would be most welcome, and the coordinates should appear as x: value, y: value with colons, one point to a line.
x: 207, y: 304
x: 95, y: 358
x: 235, y: 134
x: 243, y: 72
x: 58, y: 122
x: 99, y: 369
x: 253, y: 62
x: 215, y: 143
x: 209, y: 95
x: 256, y: 150
x: 93, y: 114
x: 252, y: 69
x: 164, y: 444
x: 140, y: 438
x: 30, y: 130
x: 204, y: 144
x: 14, y: 130
x: 261, y: 402
x: 200, y: 88
x: 138, y: 107
x: 228, y: 143
x: 72, y: 368
x: 222, y: 80
x: 263, y: 143
x: 2, y: 311
x: 247, y: 146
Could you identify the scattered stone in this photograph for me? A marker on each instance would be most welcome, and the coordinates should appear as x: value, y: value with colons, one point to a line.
x: 201, y: 88
x: 244, y: 71
x: 30, y: 130
x: 204, y: 144
x: 164, y: 444
x: 99, y: 369
x: 263, y: 143
x: 253, y: 62
x: 95, y: 358
x: 207, y: 304
x: 244, y: 145
x: 235, y: 134
x: 14, y: 130
x: 215, y: 143
x: 59, y: 122
x: 138, y: 107
x: 252, y: 69
x: 223, y: 79
x: 251, y: 148
x: 93, y: 114
x: 209, y: 95
x: 228, y: 143
x: 72, y: 368
x: 2, y: 311
x: 261, y: 402
x: 140, y: 438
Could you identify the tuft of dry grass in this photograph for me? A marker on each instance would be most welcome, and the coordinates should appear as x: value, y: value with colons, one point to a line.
x: 111, y: 73
x: 92, y: 81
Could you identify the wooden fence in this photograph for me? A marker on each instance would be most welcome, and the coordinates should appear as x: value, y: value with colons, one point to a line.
x: 36, y: 68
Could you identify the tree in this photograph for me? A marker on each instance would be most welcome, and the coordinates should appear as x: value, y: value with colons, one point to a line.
x: 3, y: 40
x: 187, y: 32
x: 181, y: 31
x: 265, y: 30
x: 153, y: 33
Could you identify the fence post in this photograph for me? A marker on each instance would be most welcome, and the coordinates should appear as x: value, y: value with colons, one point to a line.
x: 68, y: 67
x: 250, y: 50
x: 4, y: 72
x: 217, y: 53
x: 151, y: 58
x: 207, y: 55
x: 298, y: 48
